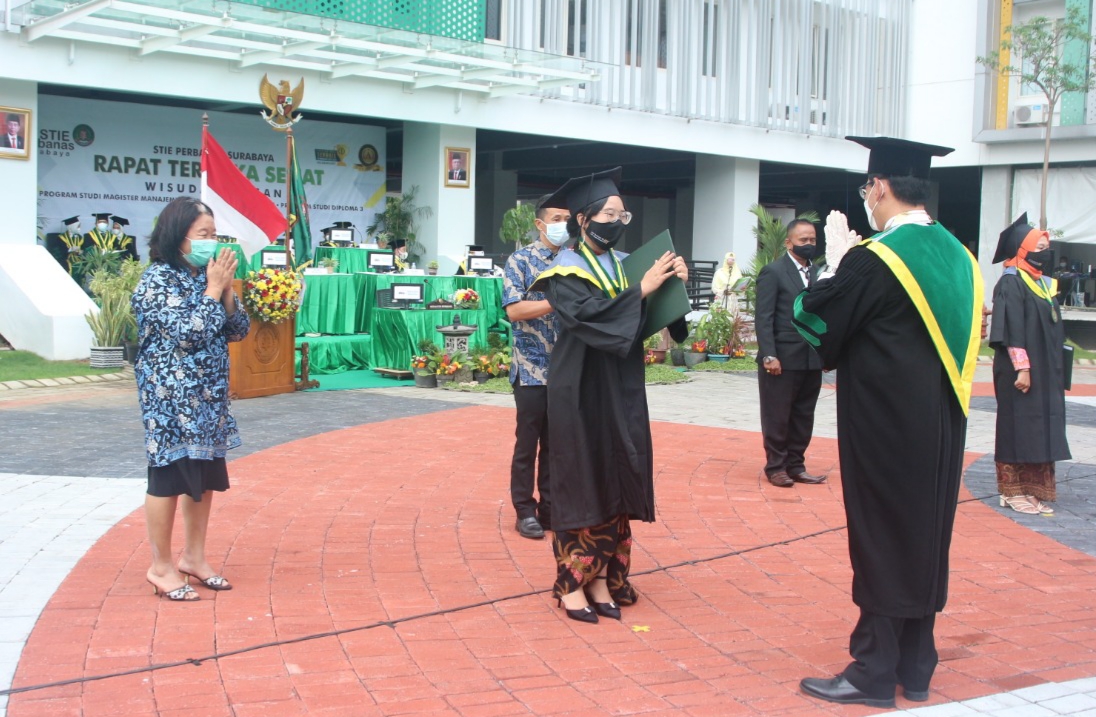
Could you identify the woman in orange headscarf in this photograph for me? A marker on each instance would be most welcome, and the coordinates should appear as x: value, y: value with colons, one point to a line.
x: 1028, y: 376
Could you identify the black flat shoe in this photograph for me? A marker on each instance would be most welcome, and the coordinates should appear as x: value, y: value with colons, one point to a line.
x: 584, y: 614
x: 840, y: 690
x: 916, y: 695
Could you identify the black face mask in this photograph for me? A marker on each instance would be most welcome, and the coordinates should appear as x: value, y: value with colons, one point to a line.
x: 605, y: 234
x: 804, y: 251
x: 1039, y: 259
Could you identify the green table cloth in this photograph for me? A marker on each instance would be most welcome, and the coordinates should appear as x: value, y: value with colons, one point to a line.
x: 257, y: 258
x: 330, y: 305
x: 396, y: 332
x: 435, y: 287
x: 336, y: 354
x: 350, y: 259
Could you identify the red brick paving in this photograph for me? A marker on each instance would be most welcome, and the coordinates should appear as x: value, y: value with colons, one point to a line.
x: 399, y: 519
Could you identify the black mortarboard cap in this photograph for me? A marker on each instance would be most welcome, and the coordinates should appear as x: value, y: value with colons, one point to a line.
x: 105, y: 216
x: 552, y: 201
x: 397, y: 243
x: 1011, y: 238
x: 892, y: 157
x: 120, y: 220
x: 580, y: 192
x: 70, y: 220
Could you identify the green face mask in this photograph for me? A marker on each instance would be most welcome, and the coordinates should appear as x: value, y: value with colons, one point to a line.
x: 201, y: 251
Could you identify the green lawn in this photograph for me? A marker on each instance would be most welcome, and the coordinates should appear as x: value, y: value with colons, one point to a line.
x: 19, y: 365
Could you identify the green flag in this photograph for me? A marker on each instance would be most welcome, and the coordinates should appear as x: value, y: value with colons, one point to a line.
x: 298, y: 210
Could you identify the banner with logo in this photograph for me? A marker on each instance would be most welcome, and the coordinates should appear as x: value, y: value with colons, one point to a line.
x: 132, y: 159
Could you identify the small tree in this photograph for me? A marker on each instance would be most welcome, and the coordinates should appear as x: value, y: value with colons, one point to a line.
x: 517, y: 225
x: 399, y: 220
x: 1045, y: 62
x: 770, y: 233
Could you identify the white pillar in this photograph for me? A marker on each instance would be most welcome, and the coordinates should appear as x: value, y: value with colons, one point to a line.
x: 19, y: 177
x: 726, y: 187
x: 996, y: 205
x: 452, y: 226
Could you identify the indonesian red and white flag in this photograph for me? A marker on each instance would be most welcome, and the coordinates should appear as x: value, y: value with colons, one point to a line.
x: 239, y: 209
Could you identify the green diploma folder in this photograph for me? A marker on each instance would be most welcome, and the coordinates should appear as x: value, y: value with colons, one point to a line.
x: 670, y: 302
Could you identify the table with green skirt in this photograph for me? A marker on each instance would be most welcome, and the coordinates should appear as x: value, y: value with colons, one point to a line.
x: 351, y: 259
x: 342, y: 305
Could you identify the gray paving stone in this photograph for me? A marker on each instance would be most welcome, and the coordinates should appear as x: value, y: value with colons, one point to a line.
x: 948, y: 709
x: 1070, y: 704
x: 1046, y: 691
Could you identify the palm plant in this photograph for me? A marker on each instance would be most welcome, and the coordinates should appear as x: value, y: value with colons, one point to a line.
x: 770, y: 233
x: 517, y: 225
x: 399, y: 220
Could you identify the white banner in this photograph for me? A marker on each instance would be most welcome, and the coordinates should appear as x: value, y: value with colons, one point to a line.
x: 131, y: 160
x: 1071, y: 193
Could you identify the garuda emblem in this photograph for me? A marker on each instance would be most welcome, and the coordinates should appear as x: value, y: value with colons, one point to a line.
x: 282, y: 103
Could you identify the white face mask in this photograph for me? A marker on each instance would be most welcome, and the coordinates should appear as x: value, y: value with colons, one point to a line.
x: 870, y: 211
x: 73, y: 228
x: 101, y: 226
x: 557, y: 233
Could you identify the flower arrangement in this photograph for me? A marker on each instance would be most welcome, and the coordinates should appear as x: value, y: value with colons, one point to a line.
x: 700, y: 347
x: 466, y: 299
x: 272, y: 295
x: 424, y: 364
x: 449, y: 364
x: 501, y: 362
x: 650, y: 359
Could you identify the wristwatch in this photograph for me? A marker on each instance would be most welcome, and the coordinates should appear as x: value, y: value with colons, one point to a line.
x: 767, y: 359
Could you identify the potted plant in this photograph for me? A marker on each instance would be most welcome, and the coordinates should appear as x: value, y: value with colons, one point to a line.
x: 330, y: 263
x: 108, y: 328
x: 454, y: 367
x: 517, y: 225
x: 124, y: 281
x: 432, y: 268
x: 677, y: 354
x: 399, y: 220
x: 696, y: 347
x: 656, y: 352
x: 718, y: 327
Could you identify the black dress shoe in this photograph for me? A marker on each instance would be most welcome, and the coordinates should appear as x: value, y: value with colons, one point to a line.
x: 808, y: 478
x: 583, y: 614
x: 529, y: 528
x: 840, y: 690
x: 781, y: 480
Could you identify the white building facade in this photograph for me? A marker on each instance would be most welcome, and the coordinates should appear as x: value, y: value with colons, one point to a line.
x: 735, y: 87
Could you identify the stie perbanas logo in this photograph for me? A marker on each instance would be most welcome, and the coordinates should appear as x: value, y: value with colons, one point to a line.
x: 83, y: 135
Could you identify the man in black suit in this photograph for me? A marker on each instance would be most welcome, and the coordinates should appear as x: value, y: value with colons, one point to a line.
x: 13, y: 133
x: 789, y: 374
x: 457, y: 172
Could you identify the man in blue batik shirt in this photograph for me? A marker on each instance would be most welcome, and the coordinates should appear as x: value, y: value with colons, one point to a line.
x: 534, y: 328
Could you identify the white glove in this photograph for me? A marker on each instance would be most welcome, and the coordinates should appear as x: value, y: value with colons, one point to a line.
x: 839, y: 239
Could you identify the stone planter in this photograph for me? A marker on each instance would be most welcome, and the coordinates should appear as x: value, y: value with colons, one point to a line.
x: 443, y: 379
x: 692, y: 358
x: 108, y: 357
x: 426, y: 380
x: 463, y: 375
x: 480, y: 376
x: 677, y: 357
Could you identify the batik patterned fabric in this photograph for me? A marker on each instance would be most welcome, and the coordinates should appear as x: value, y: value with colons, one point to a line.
x: 582, y: 554
x: 533, y: 338
x: 1035, y: 479
x: 182, y: 365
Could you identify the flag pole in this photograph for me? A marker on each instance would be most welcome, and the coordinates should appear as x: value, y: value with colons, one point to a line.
x: 289, y: 197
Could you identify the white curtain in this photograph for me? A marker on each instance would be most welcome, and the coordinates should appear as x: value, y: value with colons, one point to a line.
x: 1071, y: 197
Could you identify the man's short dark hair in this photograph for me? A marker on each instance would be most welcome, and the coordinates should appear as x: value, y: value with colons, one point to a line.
x: 909, y: 190
x: 15, y: 118
x: 171, y: 229
x: 542, y: 211
x: 794, y: 223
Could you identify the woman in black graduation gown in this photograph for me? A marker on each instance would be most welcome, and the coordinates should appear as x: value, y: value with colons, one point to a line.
x: 600, y: 456
x: 1027, y: 337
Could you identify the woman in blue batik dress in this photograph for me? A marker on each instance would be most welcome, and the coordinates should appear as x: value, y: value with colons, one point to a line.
x: 186, y: 314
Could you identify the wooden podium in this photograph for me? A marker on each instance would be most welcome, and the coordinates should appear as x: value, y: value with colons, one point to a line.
x: 263, y: 363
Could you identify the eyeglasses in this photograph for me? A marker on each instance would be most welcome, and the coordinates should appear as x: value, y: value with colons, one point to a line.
x: 612, y: 215
x: 866, y: 187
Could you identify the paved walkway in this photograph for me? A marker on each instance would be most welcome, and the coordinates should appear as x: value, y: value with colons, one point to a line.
x: 377, y: 570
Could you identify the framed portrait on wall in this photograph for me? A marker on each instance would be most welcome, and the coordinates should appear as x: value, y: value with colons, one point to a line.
x: 15, y: 141
x: 458, y: 166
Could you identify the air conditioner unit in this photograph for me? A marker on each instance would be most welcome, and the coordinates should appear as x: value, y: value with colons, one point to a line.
x: 1026, y: 115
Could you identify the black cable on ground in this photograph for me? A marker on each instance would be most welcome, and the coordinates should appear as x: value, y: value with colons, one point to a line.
x: 392, y: 623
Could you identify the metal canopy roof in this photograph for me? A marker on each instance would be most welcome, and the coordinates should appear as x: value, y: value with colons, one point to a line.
x: 247, y: 35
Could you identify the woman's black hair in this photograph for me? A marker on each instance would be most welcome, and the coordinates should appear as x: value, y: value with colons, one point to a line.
x: 588, y: 211
x: 171, y: 229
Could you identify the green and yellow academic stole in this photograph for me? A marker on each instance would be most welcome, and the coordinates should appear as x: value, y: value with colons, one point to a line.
x: 611, y: 286
x: 1042, y: 291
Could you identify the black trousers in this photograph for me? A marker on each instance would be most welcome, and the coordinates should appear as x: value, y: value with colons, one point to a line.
x: 526, y: 468
x: 787, y: 417
x: 891, y: 650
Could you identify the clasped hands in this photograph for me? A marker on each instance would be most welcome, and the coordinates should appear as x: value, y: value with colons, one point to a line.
x: 220, y: 272
x: 839, y: 239
x: 665, y: 266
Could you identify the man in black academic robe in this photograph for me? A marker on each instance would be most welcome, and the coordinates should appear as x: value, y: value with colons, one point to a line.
x: 904, y: 372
